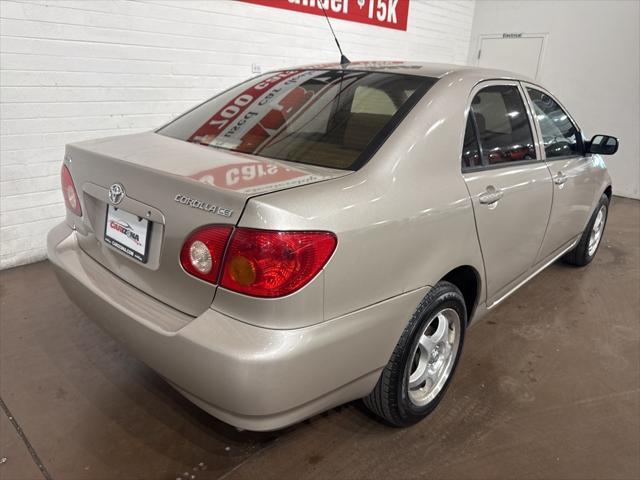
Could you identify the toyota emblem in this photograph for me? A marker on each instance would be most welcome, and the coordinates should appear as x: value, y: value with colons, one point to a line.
x: 116, y: 193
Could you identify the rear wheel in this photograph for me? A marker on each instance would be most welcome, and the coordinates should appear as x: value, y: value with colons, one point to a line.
x: 422, y: 364
x: 590, y: 240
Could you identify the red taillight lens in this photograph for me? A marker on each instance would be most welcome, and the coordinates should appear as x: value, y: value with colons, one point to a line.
x: 266, y: 263
x: 71, y: 199
x: 201, y: 254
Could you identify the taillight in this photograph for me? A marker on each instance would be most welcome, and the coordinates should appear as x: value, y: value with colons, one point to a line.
x: 71, y: 199
x: 267, y: 263
x: 201, y: 254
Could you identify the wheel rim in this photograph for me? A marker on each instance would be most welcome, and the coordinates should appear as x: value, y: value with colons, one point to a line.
x: 433, y: 358
x: 596, y: 232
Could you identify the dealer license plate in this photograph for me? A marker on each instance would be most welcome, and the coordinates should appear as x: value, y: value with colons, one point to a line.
x: 128, y: 233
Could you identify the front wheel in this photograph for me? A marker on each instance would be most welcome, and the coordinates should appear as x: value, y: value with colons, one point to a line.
x: 422, y: 364
x: 590, y: 240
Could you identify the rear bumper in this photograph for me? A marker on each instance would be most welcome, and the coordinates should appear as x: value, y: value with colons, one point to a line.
x: 251, y: 377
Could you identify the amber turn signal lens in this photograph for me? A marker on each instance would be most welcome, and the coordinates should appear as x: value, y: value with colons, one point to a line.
x: 242, y: 270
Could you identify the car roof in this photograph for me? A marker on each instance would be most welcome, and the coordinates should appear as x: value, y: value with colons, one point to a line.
x: 433, y: 70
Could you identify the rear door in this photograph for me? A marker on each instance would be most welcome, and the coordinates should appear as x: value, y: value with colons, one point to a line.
x: 574, y: 186
x: 510, y: 186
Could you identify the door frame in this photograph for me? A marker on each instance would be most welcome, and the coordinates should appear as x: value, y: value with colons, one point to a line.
x: 507, y: 36
x: 524, y: 84
x: 537, y: 139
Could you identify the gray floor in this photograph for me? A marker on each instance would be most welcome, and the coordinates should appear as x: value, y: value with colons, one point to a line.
x: 548, y: 387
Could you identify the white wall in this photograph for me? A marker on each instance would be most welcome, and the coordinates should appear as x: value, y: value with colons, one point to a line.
x: 591, y: 62
x: 74, y: 70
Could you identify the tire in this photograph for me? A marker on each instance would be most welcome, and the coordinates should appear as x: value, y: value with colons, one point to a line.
x: 585, y: 251
x: 392, y: 399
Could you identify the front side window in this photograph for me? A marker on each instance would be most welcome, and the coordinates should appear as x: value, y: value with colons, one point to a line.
x: 503, y: 127
x: 329, y: 118
x: 559, y: 134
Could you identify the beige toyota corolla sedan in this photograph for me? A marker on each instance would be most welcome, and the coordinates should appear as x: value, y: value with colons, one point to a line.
x: 322, y: 234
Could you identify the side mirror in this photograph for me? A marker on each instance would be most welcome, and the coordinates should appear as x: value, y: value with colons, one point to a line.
x: 603, y: 145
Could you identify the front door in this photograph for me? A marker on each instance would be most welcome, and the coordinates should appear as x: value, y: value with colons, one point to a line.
x: 510, y: 186
x: 575, y: 187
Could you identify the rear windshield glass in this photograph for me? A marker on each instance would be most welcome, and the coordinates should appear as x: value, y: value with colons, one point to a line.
x: 329, y: 118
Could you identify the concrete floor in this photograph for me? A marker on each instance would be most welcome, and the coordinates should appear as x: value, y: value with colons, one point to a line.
x: 548, y: 387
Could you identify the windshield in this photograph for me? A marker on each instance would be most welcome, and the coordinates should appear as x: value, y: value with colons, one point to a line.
x: 329, y: 118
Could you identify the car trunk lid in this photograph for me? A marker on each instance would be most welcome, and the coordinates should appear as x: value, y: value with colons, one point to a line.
x: 172, y: 187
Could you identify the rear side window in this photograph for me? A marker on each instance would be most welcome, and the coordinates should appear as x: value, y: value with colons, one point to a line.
x: 329, y: 118
x: 503, y: 127
x: 470, y: 151
x: 559, y: 135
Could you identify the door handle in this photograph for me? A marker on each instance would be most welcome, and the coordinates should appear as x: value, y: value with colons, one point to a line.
x: 560, y: 178
x: 490, y: 196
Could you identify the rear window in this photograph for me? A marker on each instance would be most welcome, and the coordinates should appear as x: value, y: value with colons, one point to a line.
x: 329, y: 118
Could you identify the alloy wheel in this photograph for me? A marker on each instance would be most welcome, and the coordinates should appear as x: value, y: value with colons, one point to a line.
x: 434, y: 356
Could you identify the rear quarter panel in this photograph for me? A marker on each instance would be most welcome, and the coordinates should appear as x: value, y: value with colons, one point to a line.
x: 403, y: 221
